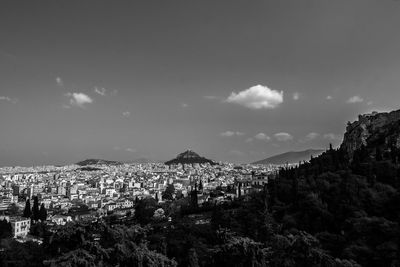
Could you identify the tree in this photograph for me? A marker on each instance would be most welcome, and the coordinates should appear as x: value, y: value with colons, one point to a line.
x: 159, y: 214
x: 5, y: 229
x: 201, y: 185
x: 27, y: 211
x: 144, y: 210
x: 378, y: 154
x: 193, y: 197
x: 13, y: 209
x: 42, y: 213
x: 35, y: 208
x: 168, y: 193
x: 193, y: 259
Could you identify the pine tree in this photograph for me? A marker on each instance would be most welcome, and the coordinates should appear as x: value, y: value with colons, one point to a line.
x: 378, y: 154
x: 193, y: 196
x: 201, y: 185
x: 35, y: 208
x: 27, y: 211
x: 42, y: 213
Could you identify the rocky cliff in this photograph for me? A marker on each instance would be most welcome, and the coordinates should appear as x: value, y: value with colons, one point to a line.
x: 373, y: 131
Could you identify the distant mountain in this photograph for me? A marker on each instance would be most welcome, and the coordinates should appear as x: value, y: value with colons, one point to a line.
x: 291, y: 157
x: 98, y: 162
x: 144, y: 161
x: 189, y: 157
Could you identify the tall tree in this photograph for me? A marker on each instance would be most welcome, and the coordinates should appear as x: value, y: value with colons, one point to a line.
x: 42, y: 213
x: 168, y: 193
x: 27, y: 211
x: 201, y: 185
x: 35, y: 208
x: 193, y: 197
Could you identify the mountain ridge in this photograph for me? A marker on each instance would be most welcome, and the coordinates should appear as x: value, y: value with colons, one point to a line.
x: 290, y: 157
x: 189, y: 157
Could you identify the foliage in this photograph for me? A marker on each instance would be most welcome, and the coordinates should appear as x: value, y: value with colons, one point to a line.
x: 168, y: 194
x: 27, y: 210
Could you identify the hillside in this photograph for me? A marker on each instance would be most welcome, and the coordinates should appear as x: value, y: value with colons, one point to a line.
x: 144, y: 161
x: 189, y: 157
x: 98, y: 162
x: 291, y: 157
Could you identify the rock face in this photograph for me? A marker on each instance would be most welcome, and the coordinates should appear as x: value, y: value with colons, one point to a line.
x: 189, y: 157
x: 373, y: 131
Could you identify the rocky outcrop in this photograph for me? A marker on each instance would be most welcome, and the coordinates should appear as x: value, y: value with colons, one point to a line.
x: 372, y: 131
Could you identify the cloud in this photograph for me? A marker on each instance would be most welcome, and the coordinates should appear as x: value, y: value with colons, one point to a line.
x: 329, y: 97
x: 131, y: 150
x: 312, y: 136
x: 231, y: 133
x: 59, y: 81
x: 355, y: 99
x: 331, y: 136
x: 184, y: 105
x: 79, y: 99
x: 126, y: 114
x: 257, y: 97
x: 283, y: 137
x: 117, y: 148
x: 8, y: 99
x: 296, y: 96
x: 248, y: 140
x: 262, y: 136
x: 100, y: 91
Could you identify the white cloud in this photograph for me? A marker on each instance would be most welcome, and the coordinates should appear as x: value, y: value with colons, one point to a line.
x: 9, y: 99
x: 227, y: 134
x: 262, y: 136
x: 296, y: 96
x: 59, y: 81
x: 355, y: 99
x: 331, y: 136
x: 131, y: 150
x: 283, y: 137
x: 79, y: 99
x: 329, y: 97
x: 231, y: 133
x: 100, y: 91
x: 257, y: 97
x: 126, y: 114
x: 117, y: 148
x: 370, y: 103
x: 184, y: 105
x: 249, y: 140
x: 312, y: 136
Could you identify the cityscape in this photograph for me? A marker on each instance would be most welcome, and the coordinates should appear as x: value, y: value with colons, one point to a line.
x: 200, y: 133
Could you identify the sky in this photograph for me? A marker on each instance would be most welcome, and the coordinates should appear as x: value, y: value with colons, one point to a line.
x: 232, y: 80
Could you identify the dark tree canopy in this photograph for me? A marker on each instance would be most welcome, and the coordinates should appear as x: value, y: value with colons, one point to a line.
x: 35, y: 209
x: 27, y: 210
